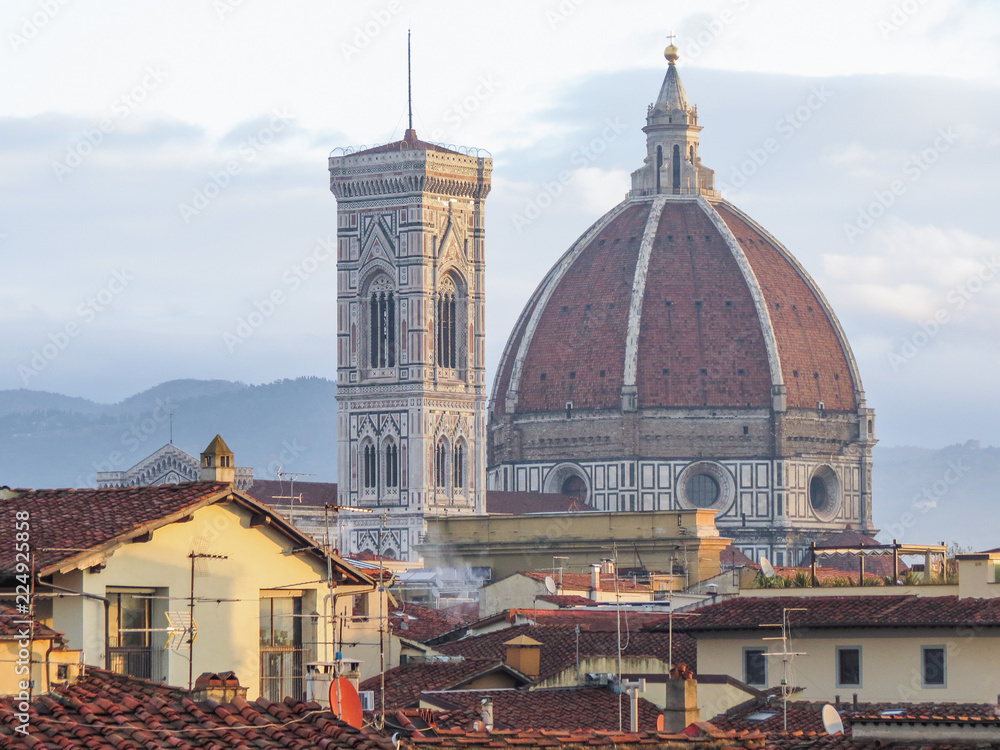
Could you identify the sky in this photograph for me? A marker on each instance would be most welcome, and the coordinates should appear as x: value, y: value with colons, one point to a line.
x: 163, y: 174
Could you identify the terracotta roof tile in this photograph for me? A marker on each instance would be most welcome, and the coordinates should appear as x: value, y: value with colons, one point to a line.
x: 549, y: 709
x: 405, y: 683
x: 10, y: 626
x: 105, y: 710
x: 848, y: 612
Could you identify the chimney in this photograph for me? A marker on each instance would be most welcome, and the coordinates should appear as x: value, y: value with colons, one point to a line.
x: 681, y: 708
x: 595, y: 578
x: 524, y: 654
x: 217, y: 463
x: 223, y: 687
x: 608, y: 567
x: 487, y: 713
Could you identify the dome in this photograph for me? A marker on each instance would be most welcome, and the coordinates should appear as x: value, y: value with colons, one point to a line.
x: 675, y: 302
x: 678, y: 356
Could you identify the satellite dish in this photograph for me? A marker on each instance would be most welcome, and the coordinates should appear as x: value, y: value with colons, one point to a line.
x: 345, y: 702
x: 832, y: 721
x: 766, y: 568
x: 550, y: 584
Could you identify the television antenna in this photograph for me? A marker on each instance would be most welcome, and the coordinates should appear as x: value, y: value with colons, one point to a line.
x: 785, y: 655
x: 180, y: 629
x: 193, y: 631
x: 282, y: 475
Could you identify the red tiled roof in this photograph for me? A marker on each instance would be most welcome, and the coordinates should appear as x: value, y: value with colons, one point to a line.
x: 106, y: 711
x: 550, y: 708
x: 582, y: 581
x: 417, y: 623
x: 410, y: 142
x: 733, y: 558
x: 591, y: 619
x: 314, y: 494
x: 824, y: 575
x: 499, y: 502
x: 806, y: 729
x: 701, y: 733
x: 847, y: 612
x: 559, y: 645
x: 11, y: 626
x: 405, y: 683
x: 70, y: 526
x: 65, y: 522
x: 466, y: 612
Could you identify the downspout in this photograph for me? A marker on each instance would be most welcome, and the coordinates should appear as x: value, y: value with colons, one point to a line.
x: 107, y: 616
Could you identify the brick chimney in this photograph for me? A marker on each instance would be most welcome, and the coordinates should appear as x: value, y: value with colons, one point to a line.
x: 524, y: 654
x: 220, y: 686
x: 681, y: 709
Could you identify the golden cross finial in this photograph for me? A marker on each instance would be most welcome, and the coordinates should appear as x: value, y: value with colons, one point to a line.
x: 671, y: 37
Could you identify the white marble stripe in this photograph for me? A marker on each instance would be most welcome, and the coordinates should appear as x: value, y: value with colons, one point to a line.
x: 639, y: 293
x: 756, y: 293
x: 545, y: 290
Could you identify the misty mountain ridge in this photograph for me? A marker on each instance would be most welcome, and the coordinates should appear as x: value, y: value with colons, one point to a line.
x: 921, y: 495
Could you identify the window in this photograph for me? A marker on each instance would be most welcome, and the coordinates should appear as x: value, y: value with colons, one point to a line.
x: 703, y: 491
x: 391, y: 469
x: 281, y: 664
x: 849, y: 666
x: 458, y: 466
x: 933, y: 666
x: 129, y: 623
x: 447, y: 325
x: 441, y: 465
x: 754, y: 666
x: 382, y: 328
x: 370, y: 469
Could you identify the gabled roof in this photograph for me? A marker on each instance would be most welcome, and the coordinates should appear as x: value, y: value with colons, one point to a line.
x: 12, y: 626
x: 566, y: 600
x: 559, y: 645
x: 746, y: 613
x: 314, y: 494
x: 405, y: 683
x: 80, y: 528
x: 416, y: 623
x: 106, y: 710
x: 605, y: 618
x: 549, y: 708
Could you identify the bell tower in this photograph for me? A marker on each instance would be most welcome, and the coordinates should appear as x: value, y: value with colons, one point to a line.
x: 411, y: 390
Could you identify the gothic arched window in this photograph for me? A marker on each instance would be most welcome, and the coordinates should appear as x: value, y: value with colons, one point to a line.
x: 676, y: 182
x: 382, y: 325
x: 441, y: 464
x: 391, y: 464
x: 447, y: 325
x: 369, y: 461
x: 458, y: 465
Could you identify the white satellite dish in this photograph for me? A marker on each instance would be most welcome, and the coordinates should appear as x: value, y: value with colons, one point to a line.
x: 832, y: 721
x: 766, y: 568
x: 550, y: 584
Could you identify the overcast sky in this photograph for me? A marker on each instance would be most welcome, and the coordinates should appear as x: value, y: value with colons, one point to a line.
x: 163, y: 168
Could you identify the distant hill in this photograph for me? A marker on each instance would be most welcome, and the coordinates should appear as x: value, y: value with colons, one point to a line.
x: 946, y: 495
x: 921, y: 495
x: 49, y: 440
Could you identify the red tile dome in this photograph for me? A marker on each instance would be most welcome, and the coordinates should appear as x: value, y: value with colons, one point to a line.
x: 676, y: 301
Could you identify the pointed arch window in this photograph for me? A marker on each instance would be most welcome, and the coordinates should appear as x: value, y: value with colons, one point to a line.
x: 369, y: 465
x: 447, y: 325
x: 382, y: 326
x: 441, y: 464
x: 391, y: 464
x: 458, y: 465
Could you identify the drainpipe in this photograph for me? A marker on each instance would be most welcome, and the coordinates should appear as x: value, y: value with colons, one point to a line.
x: 107, y: 616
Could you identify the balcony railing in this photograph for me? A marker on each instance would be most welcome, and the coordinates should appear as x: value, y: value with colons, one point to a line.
x: 281, y: 673
x: 136, y: 661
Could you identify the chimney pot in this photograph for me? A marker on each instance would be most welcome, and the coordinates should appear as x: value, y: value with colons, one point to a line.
x: 487, y: 713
